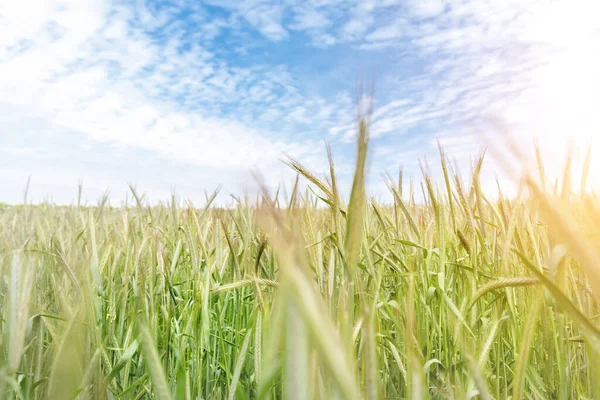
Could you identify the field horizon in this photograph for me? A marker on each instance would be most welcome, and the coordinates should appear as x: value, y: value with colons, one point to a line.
x: 307, y: 296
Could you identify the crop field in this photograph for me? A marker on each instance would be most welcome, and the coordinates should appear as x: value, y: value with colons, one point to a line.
x: 313, y: 295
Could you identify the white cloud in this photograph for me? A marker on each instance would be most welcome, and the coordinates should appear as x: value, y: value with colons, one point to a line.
x: 388, y: 32
x: 105, y: 77
x: 135, y: 76
x: 309, y: 18
x: 264, y: 16
x: 528, y: 63
x: 427, y: 8
x: 361, y: 19
x: 324, y: 40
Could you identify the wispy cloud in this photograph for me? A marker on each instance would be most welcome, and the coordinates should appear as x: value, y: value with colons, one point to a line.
x: 262, y: 15
x: 139, y: 77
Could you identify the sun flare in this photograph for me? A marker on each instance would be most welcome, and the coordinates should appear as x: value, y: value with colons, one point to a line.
x: 559, y: 110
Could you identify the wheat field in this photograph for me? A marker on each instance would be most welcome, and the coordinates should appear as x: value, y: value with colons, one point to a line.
x: 307, y: 296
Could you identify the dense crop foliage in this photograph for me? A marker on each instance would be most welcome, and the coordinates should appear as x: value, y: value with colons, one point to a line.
x: 456, y: 296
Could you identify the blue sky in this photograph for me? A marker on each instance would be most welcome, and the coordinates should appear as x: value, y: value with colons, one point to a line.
x: 186, y: 95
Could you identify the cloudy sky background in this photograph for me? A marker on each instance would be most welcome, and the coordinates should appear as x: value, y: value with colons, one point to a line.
x: 184, y: 95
